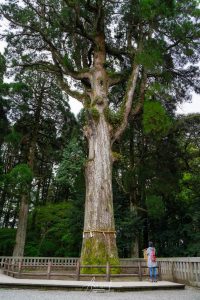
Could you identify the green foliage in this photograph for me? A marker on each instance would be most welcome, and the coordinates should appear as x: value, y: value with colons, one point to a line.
x: 18, y: 87
x: 152, y: 55
x: 21, y: 175
x: 57, y: 231
x: 67, y: 62
x: 18, y: 180
x: 2, y: 67
x: 155, y: 119
x: 7, y: 241
x: 186, y: 193
x: 113, y: 118
x: 150, y: 9
x: 155, y: 206
x: 13, y: 137
x: 95, y: 114
x: 128, y: 226
x: 71, y: 164
x: 177, y: 232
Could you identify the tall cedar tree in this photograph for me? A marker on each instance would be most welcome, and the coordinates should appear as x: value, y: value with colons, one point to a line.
x: 42, y: 90
x: 34, y: 99
x: 91, y: 46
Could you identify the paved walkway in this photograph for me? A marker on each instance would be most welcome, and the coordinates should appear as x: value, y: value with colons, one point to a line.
x: 19, y: 294
x: 7, y: 281
x: 34, y: 289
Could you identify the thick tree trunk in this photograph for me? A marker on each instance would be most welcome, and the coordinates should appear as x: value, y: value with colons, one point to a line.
x: 22, y: 225
x: 99, y: 237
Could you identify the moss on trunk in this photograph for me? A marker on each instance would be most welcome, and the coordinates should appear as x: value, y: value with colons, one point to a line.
x: 97, y: 251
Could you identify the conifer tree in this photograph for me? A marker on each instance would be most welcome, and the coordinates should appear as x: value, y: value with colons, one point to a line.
x: 91, y: 46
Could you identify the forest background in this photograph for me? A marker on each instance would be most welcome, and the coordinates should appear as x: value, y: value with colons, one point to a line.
x: 155, y: 177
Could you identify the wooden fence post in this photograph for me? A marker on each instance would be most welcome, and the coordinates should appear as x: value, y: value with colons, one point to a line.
x: 159, y: 271
x: 173, y: 277
x: 8, y: 267
x: 140, y: 270
x: 48, y: 269
x: 108, y: 271
x: 78, y: 266
x: 19, y: 268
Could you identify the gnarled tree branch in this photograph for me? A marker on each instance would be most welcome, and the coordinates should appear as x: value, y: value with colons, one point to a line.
x: 140, y: 102
x: 128, y: 99
x: 65, y: 87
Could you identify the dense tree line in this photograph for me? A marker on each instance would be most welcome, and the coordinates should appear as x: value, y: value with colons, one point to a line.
x: 155, y: 181
x: 129, y: 63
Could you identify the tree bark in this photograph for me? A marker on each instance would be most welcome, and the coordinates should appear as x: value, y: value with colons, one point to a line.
x: 99, y: 238
x: 135, y: 248
x: 22, y: 225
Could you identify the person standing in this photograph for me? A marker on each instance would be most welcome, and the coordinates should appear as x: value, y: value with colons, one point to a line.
x: 152, y: 264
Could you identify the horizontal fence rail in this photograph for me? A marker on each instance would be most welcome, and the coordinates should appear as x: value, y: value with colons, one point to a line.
x: 26, y: 267
x: 40, y: 261
x: 179, y: 269
x: 182, y: 269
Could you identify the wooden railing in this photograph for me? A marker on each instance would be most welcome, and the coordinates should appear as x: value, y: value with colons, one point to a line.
x: 179, y: 269
x: 48, y: 268
x: 108, y: 271
x: 45, y: 270
x: 40, y: 261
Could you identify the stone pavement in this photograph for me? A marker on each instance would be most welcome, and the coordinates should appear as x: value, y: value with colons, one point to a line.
x: 7, y: 281
x: 19, y: 294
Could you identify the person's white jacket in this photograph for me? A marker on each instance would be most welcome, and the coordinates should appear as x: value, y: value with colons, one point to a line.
x: 150, y: 263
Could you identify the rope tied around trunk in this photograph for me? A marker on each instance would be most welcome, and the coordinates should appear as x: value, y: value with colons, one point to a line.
x: 104, y: 232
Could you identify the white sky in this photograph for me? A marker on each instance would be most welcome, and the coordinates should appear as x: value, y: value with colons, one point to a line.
x: 75, y: 105
x: 192, y: 107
